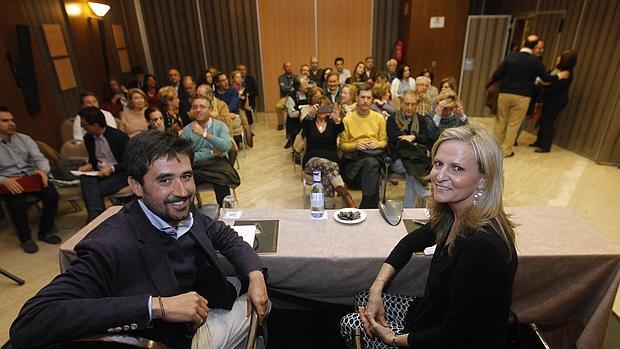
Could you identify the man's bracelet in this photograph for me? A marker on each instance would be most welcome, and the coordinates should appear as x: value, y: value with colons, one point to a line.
x: 161, y: 307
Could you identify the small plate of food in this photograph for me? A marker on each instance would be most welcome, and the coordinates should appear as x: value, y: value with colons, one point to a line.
x: 349, y: 216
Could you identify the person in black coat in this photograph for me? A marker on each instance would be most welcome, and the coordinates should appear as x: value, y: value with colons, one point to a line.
x: 105, y: 147
x: 469, y: 287
x: 555, y: 99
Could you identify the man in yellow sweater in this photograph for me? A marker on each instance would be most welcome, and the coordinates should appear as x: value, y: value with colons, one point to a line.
x: 363, y: 142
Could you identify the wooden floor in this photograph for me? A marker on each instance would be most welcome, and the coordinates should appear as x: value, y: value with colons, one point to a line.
x: 560, y: 178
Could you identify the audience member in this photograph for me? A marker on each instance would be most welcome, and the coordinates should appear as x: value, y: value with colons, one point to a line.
x: 402, y: 82
x: 517, y: 74
x: 343, y: 73
x: 132, y: 119
x: 363, y: 142
x: 381, y: 77
x: 88, y: 99
x: 23, y: 170
x: 105, y: 147
x: 358, y: 74
x: 155, y: 119
x: 286, y: 87
x: 251, y: 90
x: 169, y: 105
x: 326, y: 73
x: 230, y: 95
x: 432, y: 90
x: 424, y: 106
x: 392, y: 66
x: 304, y: 70
x: 369, y: 70
x: 449, y: 82
x: 381, y: 102
x: 469, y: 286
x: 151, y: 269
x: 294, y: 103
x: 555, y: 99
x: 219, y: 109
x: 207, y: 79
x: 333, y: 87
x: 348, y: 100
x: 407, y: 140
x: 151, y: 90
x: 321, y: 129
x: 210, y: 140
x: 316, y: 73
x: 448, y: 113
x: 138, y: 78
x: 116, y: 100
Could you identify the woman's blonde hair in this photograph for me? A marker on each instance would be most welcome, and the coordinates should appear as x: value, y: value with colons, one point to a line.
x: 166, y: 95
x: 352, y: 89
x: 488, y: 210
x: 130, y: 93
x: 379, y: 90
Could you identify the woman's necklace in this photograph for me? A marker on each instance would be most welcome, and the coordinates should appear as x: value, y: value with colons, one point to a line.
x: 321, y: 125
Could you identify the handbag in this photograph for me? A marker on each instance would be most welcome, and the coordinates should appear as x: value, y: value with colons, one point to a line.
x: 523, y: 335
x: 537, y: 114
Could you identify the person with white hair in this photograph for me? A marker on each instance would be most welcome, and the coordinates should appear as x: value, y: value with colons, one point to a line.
x: 425, y: 106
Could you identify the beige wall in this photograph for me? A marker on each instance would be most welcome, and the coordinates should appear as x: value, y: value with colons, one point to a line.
x: 288, y: 34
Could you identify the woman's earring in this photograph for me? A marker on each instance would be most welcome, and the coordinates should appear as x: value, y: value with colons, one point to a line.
x: 477, y: 195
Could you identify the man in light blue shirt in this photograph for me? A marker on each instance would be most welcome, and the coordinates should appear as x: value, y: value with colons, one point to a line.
x: 20, y: 159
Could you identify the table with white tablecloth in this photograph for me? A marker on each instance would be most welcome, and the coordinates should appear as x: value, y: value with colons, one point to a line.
x: 568, y: 272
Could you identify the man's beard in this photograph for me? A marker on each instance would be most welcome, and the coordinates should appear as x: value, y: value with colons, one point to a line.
x: 167, y: 213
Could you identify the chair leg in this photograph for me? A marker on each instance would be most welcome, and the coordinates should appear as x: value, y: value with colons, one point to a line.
x: 234, y: 190
x: 244, y: 142
x: 12, y: 277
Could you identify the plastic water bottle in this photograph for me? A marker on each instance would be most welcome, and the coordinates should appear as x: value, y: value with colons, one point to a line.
x: 317, y: 204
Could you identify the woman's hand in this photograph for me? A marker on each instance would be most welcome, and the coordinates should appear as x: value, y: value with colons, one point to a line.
x: 375, y: 329
x: 312, y: 111
x: 375, y: 307
x: 459, y: 108
x: 336, y: 113
x: 408, y: 138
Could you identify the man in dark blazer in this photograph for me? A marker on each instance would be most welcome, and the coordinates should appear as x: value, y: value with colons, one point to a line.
x: 105, y: 147
x: 151, y: 270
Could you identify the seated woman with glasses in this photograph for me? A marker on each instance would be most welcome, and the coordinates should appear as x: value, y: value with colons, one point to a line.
x: 321, y: 128
x: 469, y: 287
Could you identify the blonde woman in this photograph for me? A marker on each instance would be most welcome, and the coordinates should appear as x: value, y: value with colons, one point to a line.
x: 169, y: 103
x: 469, y: 286
x: 132, y: 118
x: 348, y: 98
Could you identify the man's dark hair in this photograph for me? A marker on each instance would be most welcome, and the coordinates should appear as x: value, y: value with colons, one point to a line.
x: 86, y: 94
x: 363, y: 87
x: 148, y: 111
x: 146, y: 147
x: 568, y: 59
x: 4, y: 108
x: 92, y: 115
x: 338, y: 59
x: 136, y: 69
x: 217, y: 77
x: 531, y: 43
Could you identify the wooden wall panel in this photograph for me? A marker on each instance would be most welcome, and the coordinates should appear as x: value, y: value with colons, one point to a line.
x: 344, y: 29
x: 386, y: 16
x: 439, y: 49
x: 287, y: 34
x: 486, y: 46
x: 173, y: 34
x: 11, y: 95
x: 232, y: 37
x: 547, y: 27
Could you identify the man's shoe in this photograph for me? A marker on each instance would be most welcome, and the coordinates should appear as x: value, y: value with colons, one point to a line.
x: 280, y: 127
x: 29, y: 246
x: 288, y: 144
x: 541, y: 151
x: 534, y: 145
x: 52, y: 239
x: 510, y: 155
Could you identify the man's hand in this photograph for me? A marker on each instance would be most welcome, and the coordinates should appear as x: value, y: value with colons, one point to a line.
x: 13, y: 186
x: 372, y: 144
x: 361, y: 146
x: 440, y: 107
x: 257, y: 295
x: 197, y: 129
x: 105, y: 171
x: 408, y: 138
x: 85, y: 168
x: 43, y: 176
x: 216, y: 152
x: 188, y: 307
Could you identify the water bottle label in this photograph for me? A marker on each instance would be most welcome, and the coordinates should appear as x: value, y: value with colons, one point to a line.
x: 316, y: 200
